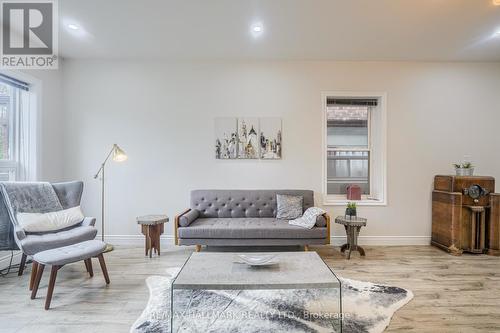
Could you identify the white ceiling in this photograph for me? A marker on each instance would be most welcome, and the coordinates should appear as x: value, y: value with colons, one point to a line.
x: 422, y: 30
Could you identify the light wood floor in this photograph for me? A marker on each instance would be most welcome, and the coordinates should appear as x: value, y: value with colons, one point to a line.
x: 452, y: 294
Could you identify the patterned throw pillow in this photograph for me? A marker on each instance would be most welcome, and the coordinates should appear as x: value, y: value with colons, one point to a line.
x: 308, y: 220
x: 289, y: 207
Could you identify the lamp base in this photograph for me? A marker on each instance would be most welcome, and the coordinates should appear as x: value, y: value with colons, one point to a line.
x: 108, y: 248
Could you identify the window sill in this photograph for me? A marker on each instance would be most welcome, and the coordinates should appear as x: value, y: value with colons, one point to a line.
x: 362, y: 202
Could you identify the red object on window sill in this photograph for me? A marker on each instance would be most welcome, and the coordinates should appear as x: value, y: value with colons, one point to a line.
x: 353, y: 192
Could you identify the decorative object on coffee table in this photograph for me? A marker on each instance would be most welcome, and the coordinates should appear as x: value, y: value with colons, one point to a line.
x: 352, y: 227
x: 118, y: 156
x: 152, y: 228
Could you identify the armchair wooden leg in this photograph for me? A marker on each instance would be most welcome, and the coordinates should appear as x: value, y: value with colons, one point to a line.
x: 198, y: 248
x: 37, y: 280
x: 88, y: 264
x: 103, y: 267
x: 52, y: 282
x: 34, y: 268
x: 306, y: 248
x: 22, y: 264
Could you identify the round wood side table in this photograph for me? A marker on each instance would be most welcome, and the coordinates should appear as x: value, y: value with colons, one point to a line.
x: 152, y: 228
x: 352, y: 227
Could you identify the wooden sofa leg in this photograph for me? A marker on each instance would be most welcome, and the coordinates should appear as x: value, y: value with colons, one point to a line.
x: 34, y: 268
x: 198, y: 248
x: 306, y: 248
x: 22, y: 264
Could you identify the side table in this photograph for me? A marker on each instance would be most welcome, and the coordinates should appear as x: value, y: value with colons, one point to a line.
x: 152, y: 228
x: 352, y: 227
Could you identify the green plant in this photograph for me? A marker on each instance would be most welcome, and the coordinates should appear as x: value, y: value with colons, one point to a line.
x: 351, y: 205
x: 466, y: 165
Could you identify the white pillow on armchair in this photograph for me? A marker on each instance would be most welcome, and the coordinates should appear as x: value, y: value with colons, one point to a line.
x: 39, y: 222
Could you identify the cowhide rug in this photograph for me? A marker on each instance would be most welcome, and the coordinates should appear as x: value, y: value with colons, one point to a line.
x: 367, y: 307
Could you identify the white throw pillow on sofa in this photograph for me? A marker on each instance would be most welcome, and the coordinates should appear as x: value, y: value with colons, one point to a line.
x: 308, y: 220
x: 39, y: 222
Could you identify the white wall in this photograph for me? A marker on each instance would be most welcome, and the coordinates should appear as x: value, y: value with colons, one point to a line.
x: 51, y: 124
x: 162, y: 115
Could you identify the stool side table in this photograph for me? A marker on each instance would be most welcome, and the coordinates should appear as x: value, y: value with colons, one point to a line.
x: 152, y: 227
x: 352, y: 227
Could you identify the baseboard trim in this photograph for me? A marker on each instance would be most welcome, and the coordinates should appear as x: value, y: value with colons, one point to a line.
x: 335, y: 240
x: 385, y: 240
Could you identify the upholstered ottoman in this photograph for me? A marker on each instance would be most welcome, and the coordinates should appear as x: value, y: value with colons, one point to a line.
x: 59, y: 257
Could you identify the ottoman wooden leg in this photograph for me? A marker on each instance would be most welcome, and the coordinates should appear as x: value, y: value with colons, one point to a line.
x: 52, y: 282
x: 198, y: 248
x: 103, y: 267
x: 37, y: 280
x: 34, y: 267
x: 88, y: 264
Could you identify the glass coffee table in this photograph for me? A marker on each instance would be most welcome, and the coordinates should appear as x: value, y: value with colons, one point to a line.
x: 217, y: 292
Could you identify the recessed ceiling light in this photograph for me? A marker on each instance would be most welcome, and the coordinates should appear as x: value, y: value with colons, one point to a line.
x: 73, y: 26
x: 257, y: 28
x: 496, y: 2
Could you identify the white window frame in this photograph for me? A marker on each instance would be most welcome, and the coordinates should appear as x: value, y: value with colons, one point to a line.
x: 35, y: 143
x: 377, y: 148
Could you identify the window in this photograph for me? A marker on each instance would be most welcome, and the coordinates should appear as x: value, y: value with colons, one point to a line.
x: 354, y: 147
x: 15, y: 130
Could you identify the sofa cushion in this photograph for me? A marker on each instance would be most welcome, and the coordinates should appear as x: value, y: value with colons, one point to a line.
x: 288, y: 207
x: 34, y: 243
x: 321, y: 221
x: 71, y: 253
x: 243, y: 203
x: 247, y: 228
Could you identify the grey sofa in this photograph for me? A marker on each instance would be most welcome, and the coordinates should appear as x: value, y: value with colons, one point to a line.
x: 245, y: 218
x: 39, y: 197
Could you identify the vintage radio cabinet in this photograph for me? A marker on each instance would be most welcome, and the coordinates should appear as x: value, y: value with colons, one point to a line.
x: 466, y: 215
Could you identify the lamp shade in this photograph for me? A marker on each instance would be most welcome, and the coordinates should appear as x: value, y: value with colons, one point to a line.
x: 118, y: 154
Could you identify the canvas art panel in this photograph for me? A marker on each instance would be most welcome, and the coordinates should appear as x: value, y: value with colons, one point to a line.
x: 270, y: 138
x: 226, y: 138
x: 248, y: 138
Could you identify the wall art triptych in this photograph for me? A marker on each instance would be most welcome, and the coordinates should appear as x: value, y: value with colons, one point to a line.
x: 248, y: 138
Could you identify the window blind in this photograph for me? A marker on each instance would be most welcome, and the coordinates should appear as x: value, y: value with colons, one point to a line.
x: 14, y: 82
x: 331, y: 101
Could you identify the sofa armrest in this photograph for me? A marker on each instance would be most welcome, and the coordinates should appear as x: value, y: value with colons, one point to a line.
x: 186, y: 219
x: 88, y: 221
x: 176, y: 224
x: 325, y: 222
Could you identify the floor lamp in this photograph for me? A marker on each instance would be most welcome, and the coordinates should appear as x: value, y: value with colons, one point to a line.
x: 118, y: 156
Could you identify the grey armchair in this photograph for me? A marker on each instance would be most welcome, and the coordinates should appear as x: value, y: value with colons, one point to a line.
x: 41, y: 197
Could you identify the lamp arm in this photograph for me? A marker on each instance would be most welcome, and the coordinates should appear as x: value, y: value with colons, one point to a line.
x: 104, y: 163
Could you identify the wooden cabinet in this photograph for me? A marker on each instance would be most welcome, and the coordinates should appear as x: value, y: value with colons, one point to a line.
x: 466, y: 215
